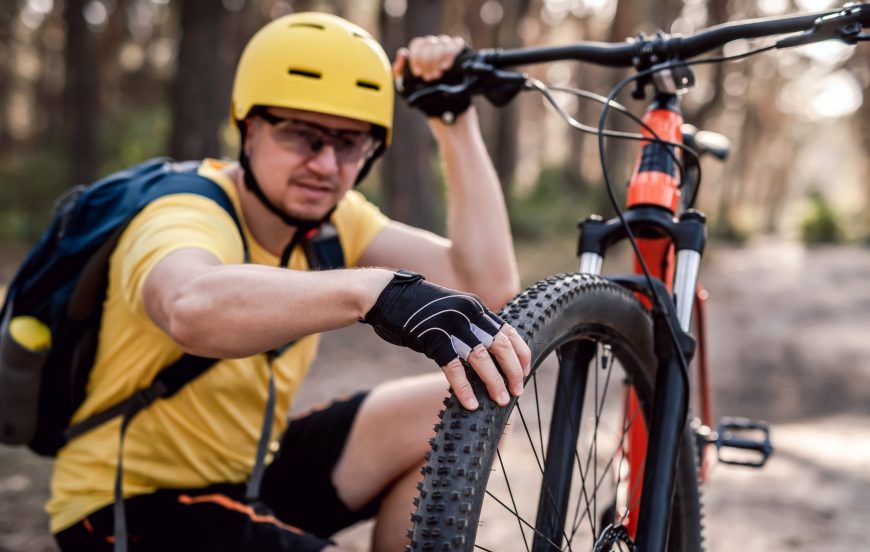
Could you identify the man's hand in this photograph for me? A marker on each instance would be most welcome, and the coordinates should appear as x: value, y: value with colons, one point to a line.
x: 428, y: 61
x: 449, y: 326
x: 428, y: 57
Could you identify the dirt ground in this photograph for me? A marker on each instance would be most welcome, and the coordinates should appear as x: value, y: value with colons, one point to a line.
x: 789, y: 343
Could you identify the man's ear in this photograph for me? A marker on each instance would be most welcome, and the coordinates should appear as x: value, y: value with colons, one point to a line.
x: 248, y: 126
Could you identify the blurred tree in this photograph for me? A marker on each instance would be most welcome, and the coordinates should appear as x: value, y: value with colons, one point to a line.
x: 201, y: 89
x: 81, y: 94
x: 499, y: 27
x: 407, y: 171
x: 48, y: 88
x: 717, y: 12
x: 8, y: 13
x: 627, y: 22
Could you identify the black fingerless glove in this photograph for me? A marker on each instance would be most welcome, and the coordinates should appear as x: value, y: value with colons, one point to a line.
x: 439, y: 322
x: 440, y: 97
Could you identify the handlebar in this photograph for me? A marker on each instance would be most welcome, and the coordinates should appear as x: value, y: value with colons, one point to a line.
x: 659, y: 48
x: 489, y: 72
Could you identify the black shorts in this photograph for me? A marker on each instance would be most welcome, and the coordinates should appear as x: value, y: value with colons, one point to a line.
x: 299, y: 507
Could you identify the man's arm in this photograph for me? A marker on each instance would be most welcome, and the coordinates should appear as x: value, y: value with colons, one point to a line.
x: 228, y: 311
x: 233, y: 311
x: 478, y: 255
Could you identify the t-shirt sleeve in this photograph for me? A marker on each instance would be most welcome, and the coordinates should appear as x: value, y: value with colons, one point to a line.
x: 358, y: 221
x: 168, y: 224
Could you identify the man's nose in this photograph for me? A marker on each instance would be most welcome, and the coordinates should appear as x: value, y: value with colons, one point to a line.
x: 325, y: 161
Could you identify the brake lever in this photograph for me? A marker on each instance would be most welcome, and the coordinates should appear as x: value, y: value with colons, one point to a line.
x: 845, y: 25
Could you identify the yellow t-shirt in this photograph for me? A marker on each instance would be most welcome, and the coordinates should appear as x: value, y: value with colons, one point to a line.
x: 208, y: 432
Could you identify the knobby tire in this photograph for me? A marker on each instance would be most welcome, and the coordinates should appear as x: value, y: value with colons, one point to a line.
x: 562, y: 314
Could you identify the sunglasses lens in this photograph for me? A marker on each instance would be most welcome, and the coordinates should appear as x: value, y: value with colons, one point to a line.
x: 305, y: 139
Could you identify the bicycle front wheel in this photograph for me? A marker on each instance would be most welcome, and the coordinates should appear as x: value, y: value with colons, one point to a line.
x: 554, y: 469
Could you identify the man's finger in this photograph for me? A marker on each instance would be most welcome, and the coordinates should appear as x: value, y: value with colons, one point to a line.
x: 426, y: 57
x: 414, y: 48
x: 503, y: 351
x: 455, y: 373
x: 489, y: 373
x: 400, y: 62
x: 521, y: 348
x: 449, y: 48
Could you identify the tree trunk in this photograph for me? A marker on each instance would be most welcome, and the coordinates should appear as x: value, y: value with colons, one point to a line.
x: 717, y: 12
x: 81, y: 94
x: 8, y: 13
x: 201, y: 89
x: 408, y: 183
x: 506, y: 147
x: 626, y: 22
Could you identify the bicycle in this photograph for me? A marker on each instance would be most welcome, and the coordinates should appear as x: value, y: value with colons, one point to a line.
x: 638, y: 457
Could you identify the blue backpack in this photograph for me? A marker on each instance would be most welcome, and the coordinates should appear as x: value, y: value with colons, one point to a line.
x: 51, y: 316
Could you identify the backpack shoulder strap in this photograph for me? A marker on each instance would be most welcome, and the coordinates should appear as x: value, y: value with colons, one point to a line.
x: 166, y: 383
x: 169, y: 380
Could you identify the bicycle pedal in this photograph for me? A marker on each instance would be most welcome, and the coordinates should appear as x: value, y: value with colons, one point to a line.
x: 744, y: 442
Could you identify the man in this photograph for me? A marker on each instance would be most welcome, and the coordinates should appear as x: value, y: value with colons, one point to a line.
x: 313, y: 101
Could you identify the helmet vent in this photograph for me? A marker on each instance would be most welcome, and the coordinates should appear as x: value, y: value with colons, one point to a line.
x: 304, y: 73
x: 369, y: 85
x: 309, y: 25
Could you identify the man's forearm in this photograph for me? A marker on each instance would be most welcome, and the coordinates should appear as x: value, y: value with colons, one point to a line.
x: 477, y: 223
x: 233, y: 311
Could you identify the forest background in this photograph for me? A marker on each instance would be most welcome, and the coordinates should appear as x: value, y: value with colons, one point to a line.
x: 88, y: 87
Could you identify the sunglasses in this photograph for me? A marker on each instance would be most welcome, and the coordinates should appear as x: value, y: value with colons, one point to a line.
x: 308, y: 139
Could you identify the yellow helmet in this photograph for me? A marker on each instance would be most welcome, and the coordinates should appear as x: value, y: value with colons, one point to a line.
x: 316, y: 62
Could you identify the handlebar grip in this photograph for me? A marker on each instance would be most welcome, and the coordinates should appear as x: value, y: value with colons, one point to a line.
x: 449, y: 94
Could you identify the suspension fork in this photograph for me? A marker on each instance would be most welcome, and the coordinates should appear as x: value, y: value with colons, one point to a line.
x: 652, y: 200
x: 670, y: 403
x: 654, y: 183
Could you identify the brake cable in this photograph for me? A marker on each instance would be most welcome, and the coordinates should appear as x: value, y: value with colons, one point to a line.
x: 571, y: 121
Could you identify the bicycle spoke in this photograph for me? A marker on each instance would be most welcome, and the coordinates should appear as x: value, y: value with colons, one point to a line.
x: 540, y: 467
x: 606, y: 387
x: 575, y: 523
x: 620, y: 448
x: 538, y: 408
x: 601, y: 363
x: 599, y: 482
x: 531, y: 441
x: 606, y: 365
x: 594, y: 448
x: 633, y: 495
x: 519, y: 517
x: 576, y: 527
x: 511, y: 494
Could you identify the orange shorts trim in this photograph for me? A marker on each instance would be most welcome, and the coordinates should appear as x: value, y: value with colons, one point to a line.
x: 230, y: 504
